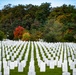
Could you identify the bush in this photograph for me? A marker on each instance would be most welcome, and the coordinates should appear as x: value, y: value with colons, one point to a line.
x: 26, y: 36
x: 2, y: 35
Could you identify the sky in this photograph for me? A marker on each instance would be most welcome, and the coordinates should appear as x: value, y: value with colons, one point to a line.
x: 54, y: 3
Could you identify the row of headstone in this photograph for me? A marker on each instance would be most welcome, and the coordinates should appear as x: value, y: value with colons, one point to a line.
x: 0, y: 65
x: 31, y: 65
x: 22, y: 64
x: 0, y: 62
x: 0, y: 53
x: 41, y: 64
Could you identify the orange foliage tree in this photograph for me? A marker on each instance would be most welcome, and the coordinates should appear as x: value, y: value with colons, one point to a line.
x: 18, y: 32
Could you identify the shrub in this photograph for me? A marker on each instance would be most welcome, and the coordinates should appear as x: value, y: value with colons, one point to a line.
x: 26, y: 36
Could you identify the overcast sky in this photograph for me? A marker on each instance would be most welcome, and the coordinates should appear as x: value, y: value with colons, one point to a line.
x: 54, y: 3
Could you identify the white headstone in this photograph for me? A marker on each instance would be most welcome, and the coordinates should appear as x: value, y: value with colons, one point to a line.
x: 42, y: 67
x: 72, y: 65
x: 15, y: 63
x: 52, y: 64
x: 4, y: 64
x: 65, y: 73
x: 6, y: 71
x: 64, y: 67
x: 20, y: 67
x: 31, y: 73
x: 8, y: 63
x: 8, y: 57
x: 74, y: 71
x: 0, y: 73
x: 0, y: 66
x: 24, y: 63
x: 12, y: 66
x: 59, y: 63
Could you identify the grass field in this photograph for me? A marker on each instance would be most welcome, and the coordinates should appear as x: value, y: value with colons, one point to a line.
x: 49, y: 51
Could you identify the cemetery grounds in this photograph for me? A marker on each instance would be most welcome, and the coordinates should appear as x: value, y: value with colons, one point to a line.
x: 37, y: 58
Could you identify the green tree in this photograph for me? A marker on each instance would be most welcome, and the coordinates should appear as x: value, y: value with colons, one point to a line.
x: 52, y: 31
x: 2, y: 35
x: 43, y: 11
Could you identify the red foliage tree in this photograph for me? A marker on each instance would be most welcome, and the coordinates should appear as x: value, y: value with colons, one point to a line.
x: 18, y: 32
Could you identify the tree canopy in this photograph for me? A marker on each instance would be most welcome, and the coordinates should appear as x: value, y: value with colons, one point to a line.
x: 42, y: 22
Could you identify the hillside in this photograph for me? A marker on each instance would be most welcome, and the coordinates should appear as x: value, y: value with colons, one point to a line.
x: 41, y: 22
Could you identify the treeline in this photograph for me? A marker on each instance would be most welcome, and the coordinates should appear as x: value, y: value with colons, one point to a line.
x: 41, y: 22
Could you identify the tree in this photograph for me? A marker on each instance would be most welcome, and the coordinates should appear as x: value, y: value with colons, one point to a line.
x: 2, y: 35
x: 36, y: 24
x: 52, y: 31
x: 27, y: 21
x: 43, y: 12
x: 47, y: 21
x: 18, y: 32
